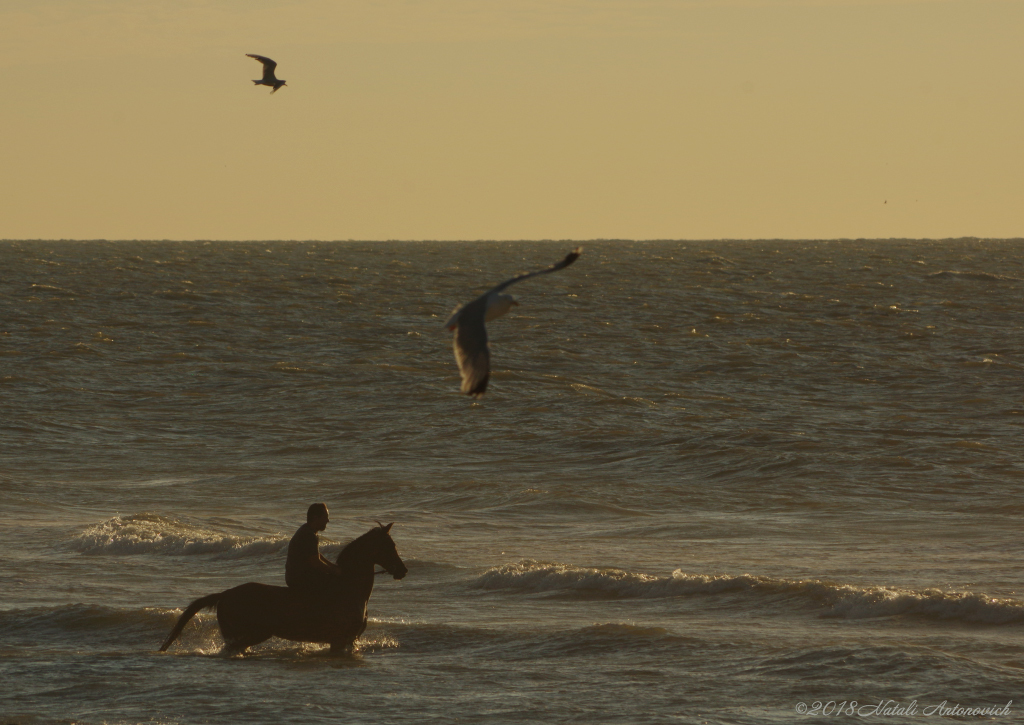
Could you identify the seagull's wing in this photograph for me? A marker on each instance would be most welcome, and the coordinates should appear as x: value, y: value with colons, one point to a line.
x: 471, y: 351
x: 268, y: 66
x: 569, y: 259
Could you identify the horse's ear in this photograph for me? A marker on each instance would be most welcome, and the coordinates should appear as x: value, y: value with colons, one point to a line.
x: 387, y: 528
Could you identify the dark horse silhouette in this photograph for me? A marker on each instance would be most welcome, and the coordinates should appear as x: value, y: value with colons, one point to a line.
x: 251, y: 613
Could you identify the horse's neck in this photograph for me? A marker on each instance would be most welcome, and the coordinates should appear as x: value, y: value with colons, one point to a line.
x: 357, y: 565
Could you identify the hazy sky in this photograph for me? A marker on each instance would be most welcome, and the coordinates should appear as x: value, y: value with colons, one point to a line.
x: 484, y: 119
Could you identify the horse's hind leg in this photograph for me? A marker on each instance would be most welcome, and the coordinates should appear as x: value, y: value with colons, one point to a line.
x: 238, y: 645
x: 343, y: 647
x: 238, y: 633
x: 237, y: 638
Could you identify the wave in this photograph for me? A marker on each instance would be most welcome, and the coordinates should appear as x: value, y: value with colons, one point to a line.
x: 88, y: 626
x: 533, y: 576
x: 73, y: 617
x: 153, y: 534
x: 837, y: 600
x: 527, y: 642
x: 977, y: 276
x: 98, y: 628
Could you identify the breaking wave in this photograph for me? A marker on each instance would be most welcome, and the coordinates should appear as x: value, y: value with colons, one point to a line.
x: 837, y: 600
x: 153, y: 534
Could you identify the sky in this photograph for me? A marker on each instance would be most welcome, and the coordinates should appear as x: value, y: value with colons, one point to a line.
x: 517, y: 119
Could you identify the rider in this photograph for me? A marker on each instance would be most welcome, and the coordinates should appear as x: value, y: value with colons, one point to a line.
x: 305, y: 567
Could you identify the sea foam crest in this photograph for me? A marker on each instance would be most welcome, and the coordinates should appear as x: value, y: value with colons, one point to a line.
x: 837, y: 600
x: 153, y: 534
x: 535, y: 576
x: 860, y: 603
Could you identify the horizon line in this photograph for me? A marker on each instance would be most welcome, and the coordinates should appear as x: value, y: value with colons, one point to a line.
x: 566, y: 240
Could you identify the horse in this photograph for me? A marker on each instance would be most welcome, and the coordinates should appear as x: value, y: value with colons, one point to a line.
x: 252, y: 613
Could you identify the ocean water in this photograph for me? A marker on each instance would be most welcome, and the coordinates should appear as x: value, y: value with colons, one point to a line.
x: 710, y: 481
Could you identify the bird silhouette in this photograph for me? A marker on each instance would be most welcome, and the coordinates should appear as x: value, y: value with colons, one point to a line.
x: 268, y: 79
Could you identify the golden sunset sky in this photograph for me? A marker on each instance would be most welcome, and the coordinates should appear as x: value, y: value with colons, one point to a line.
x: 484, y: 119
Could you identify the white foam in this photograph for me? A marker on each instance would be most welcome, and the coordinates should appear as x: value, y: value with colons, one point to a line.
x: 152, y: 534
x: 837, y: 600
x: 856, y: 603
x: 534, y: 576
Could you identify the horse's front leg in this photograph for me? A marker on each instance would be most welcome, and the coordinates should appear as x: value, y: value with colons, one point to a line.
x: 345, y: 640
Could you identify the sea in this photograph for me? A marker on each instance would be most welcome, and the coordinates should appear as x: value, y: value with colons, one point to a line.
x: 738, y: 482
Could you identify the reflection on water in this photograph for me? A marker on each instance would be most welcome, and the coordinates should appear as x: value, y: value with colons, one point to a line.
x: 708, y: 480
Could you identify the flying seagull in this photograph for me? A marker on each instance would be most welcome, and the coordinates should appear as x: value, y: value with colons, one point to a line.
x: 269, y: 79
x: 471, y: 349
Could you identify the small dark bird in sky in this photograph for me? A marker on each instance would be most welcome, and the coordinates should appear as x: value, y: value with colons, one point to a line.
x: 268, y: 79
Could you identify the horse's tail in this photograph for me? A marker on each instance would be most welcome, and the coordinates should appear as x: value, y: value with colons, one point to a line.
x: 193, y: 608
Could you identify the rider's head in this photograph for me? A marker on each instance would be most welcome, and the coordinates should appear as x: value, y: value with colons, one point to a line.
x: 317, y: 516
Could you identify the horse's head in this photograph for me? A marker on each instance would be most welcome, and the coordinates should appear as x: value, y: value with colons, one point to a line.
x: 376, y: 547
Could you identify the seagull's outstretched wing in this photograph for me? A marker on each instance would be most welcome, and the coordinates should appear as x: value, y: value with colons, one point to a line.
x: 268, y: 66
x: 471, y: 351
x: 569, y: 259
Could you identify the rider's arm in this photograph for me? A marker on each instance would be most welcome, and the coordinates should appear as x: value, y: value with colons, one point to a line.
x: 327, y: 562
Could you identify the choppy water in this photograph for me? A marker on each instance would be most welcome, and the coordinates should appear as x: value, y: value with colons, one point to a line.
x: 709, y: 481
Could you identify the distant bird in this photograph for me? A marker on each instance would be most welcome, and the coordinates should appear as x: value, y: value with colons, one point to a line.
x: 471, y: 349
x: 269, y: 79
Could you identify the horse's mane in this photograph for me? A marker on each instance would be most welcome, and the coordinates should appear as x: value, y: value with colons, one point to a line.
x: 357, y: 541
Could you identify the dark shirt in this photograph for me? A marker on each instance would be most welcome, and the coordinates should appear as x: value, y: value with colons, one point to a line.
x: 302, y: 565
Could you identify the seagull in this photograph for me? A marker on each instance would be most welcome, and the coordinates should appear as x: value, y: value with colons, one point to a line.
x: 269, y: 79
x: 471, y: 349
